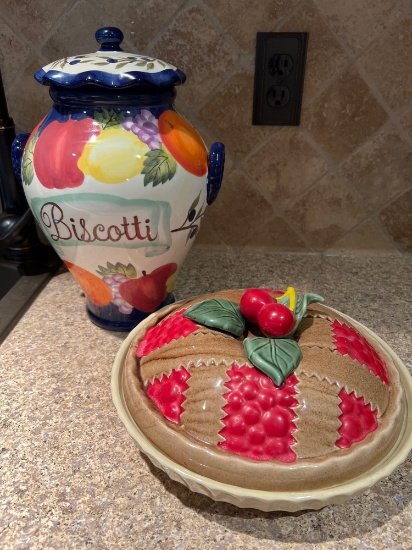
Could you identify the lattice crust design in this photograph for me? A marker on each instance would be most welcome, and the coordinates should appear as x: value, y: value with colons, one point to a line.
x: 236, y: 413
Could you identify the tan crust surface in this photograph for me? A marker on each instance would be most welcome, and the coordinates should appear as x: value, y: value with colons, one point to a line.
x: 211, y: 461
x: 201, y: 347
x: 202, y: 415
x: 318, y: 400
x: 314, y: 331
x: 342, y: 370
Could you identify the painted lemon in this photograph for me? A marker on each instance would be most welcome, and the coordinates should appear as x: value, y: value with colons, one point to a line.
x: 114, y: 156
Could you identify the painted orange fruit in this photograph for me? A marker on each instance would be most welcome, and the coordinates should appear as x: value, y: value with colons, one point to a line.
x: 183, y: 142
x: 97, y: 291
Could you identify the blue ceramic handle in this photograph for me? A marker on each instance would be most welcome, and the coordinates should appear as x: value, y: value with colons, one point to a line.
x: 215, y: 171
x: 17, y: 149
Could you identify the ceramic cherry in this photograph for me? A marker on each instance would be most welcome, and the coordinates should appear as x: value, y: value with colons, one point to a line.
x: 252, y: 302
x: 117, y: 179
x: 276, y: 320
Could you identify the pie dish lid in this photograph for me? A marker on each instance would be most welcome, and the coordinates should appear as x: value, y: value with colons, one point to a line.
x: 110, y: 67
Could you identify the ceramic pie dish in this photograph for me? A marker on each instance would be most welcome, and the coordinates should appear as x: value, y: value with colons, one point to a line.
x: 330, y: 434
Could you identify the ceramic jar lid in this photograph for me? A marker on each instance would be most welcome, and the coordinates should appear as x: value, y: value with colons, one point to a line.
x: 110, y: 67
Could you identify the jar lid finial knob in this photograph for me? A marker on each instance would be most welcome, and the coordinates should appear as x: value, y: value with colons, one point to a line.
x: 109, y: 39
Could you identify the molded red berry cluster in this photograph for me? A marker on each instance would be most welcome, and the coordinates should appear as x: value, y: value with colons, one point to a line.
x: 259, y: 415
x: 349, y: 342
x: 357, y: 419
x: 167, y: 393
x: 171, y: 328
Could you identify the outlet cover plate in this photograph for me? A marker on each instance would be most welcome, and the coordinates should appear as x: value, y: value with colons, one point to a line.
x: 279, y: 74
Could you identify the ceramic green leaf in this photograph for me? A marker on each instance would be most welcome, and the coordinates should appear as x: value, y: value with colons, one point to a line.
x: 158, y: 167
x: 288, y: 299
x: 276, y: 358
x: 298, y: 304
x: 218, y: 314
x: 302, y: 303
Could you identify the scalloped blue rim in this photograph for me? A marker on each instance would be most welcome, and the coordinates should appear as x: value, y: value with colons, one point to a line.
x: 167, y: 77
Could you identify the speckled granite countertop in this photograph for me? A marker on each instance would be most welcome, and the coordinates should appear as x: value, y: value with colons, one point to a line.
x: 71, y: 476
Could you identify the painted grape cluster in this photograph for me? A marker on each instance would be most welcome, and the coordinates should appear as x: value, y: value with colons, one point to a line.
x: 112, y: 147
x: 145, y: 127
x: 121, y: 286
x: 114, y: 282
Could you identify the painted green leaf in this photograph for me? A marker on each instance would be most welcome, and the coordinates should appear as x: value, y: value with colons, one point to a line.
x: 158, y: 167
x: 192, y: 233
x: 200, y: 213
x: 150, y: 65
x: 194, y: 203
x: 277, y: 358
x: 128, y: 270
x: 27, y: 165
x: 122, y: 64
x: 218, y: 314
x: 108, y: 118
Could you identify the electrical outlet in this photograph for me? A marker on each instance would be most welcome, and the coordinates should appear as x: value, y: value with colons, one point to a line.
x: 279, y: 74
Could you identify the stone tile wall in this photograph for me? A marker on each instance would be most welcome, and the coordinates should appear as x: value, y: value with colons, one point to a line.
x: 340, y: 182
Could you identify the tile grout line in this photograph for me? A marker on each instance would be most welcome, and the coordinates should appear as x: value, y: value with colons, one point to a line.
x: 279, y: 212
x: 393, y: 117
x: 184, y: 7
x: 351, y: 58
x: 391, y: 113
x: 34, y: 48
x: 376, y: 215
x: 35, y: 53
x: 244, y: 60
x: 221, y: 32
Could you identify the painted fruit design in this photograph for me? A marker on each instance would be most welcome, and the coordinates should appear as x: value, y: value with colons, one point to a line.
x: 332, y: 401
x: 121, y: 286
x: 183, y: 142
x: 96, y: 290
x: 146, y: 293
x: 113, y: 148
x: 115, y: 156
x: 58, y: 149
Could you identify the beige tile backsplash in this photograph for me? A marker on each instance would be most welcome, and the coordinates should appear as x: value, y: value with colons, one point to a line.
x: 341, y: 182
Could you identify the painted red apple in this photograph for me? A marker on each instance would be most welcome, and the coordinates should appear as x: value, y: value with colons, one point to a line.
x: 58, y: 149
x: 148, y: 292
